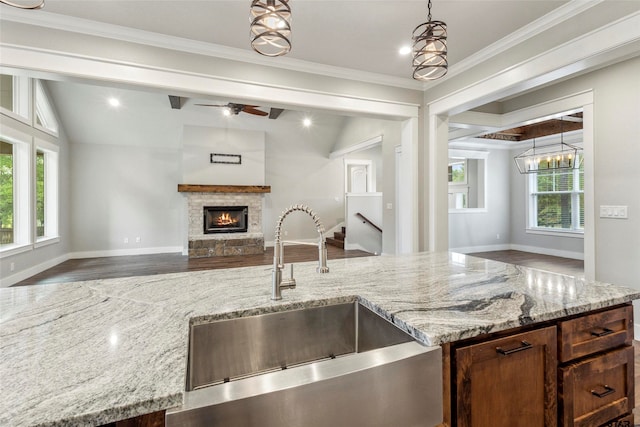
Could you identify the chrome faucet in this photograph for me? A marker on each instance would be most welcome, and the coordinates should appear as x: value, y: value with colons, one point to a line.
x: 278, y: 283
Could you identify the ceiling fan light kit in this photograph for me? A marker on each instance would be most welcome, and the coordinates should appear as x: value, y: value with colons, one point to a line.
x: 270, y: 30
x: 430, y: 49
x: 233, y: 109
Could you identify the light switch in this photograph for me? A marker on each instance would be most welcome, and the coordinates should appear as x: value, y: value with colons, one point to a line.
x: 619, y: 212
x: 389, y: 205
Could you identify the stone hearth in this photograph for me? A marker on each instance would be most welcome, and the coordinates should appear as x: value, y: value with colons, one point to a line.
x: 224, y: 244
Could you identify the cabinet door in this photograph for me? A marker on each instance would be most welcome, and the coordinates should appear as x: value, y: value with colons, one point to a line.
x: 508, y: 381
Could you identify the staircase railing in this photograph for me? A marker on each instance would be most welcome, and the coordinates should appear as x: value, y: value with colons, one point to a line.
x: 368, y: 221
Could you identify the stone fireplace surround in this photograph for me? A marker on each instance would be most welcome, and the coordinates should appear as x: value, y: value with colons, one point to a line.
x: 224, y: 244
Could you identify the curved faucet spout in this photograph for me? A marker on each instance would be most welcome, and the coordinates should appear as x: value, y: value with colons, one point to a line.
x: 278, y: 251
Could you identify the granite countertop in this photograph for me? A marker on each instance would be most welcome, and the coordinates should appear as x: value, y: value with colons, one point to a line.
x: 88, y: 353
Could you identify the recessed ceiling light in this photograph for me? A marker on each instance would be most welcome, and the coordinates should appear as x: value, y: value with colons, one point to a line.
x: 226, y: 112
x: 114, y: 102
x: 306, y: 122
x: 405, y: 50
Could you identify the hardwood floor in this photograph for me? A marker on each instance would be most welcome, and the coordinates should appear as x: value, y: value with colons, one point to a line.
x: 145, y: 265
x: 571, y: 267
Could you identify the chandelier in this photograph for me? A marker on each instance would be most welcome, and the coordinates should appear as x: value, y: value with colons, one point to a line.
x: 270, y: 31
x: 549, y: 157
x: 39, y: 4
x: 430, y: 49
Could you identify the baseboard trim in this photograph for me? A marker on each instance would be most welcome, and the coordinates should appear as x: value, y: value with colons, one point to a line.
x: 5, y: 282
x: 126, y: 252
x: 523, y: 248
x: 545, y: 251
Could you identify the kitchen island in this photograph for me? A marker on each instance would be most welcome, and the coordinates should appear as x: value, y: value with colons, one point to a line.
x: 90, y: 353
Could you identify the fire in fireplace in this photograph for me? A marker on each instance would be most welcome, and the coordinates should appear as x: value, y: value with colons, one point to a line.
x: 225, y: 219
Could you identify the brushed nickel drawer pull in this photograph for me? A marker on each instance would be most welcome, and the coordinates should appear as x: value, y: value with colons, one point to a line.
x: 605, y: 331
x: 607, y: 391
x: 525, y: 346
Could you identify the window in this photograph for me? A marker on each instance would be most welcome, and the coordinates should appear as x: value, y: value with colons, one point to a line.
x: 14, y: 189
x: 6, y: 193
x: 557, y: 200
x: 467, y: 177
x: 40, y: 181
x: 458, y: 190
x: 46, y: 191
x: 45, y: 118
x: 14, y: 96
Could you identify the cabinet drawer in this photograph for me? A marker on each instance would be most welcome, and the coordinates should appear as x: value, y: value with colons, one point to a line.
x: 595, y: 332
x: 597, y: 390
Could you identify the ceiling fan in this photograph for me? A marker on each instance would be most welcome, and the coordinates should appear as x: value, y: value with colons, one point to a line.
x: 236, y: 109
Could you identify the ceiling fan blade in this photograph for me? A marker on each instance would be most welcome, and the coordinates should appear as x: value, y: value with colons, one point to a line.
x: 211, y: 105
x: 252, y: 110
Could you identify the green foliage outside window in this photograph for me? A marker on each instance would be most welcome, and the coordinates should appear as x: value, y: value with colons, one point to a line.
x: 6, y: 193
x: 558, y: 193
x: 40, y: 194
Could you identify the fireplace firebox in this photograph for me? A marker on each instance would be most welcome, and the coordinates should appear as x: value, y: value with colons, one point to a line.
x: 225, y: 219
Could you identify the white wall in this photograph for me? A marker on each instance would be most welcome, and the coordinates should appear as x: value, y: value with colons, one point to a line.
x: 125, y: 192
x: 198, y: 142
x: 478, y: 230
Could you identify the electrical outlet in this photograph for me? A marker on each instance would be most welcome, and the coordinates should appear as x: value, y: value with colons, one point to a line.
x: 126, y: 240
x: 138, y: 239
x: 12, y: 266
x: 498, y: 236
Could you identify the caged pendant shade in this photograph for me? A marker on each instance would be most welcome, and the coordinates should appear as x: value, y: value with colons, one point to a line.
x: 549, y: 157
x: 430, y: 49
x: 32, y: 5
x: 270, y: 30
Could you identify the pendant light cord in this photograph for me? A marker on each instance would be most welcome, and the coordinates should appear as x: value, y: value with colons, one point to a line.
x: 429, y: 15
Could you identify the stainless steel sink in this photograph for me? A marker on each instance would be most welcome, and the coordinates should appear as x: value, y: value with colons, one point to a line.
x: 338, y: 365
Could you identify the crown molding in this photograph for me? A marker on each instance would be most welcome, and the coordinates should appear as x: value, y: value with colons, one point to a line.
x: 148, y: 38
x: 540, y: 25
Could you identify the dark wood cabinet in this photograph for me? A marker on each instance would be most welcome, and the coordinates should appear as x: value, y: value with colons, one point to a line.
x: 508, y: 381
x: 576, y: 371
x: 596, y: 381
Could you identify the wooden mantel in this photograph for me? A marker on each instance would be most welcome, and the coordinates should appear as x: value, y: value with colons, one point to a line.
x: 196, y: 188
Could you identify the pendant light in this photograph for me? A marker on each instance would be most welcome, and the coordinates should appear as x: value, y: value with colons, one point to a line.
x: 270, y: 30
x: 549, y: 157
x: 35, y: 5
x: 430, y: 49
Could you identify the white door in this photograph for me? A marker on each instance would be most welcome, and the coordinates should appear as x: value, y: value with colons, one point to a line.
x: 358, y: 175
